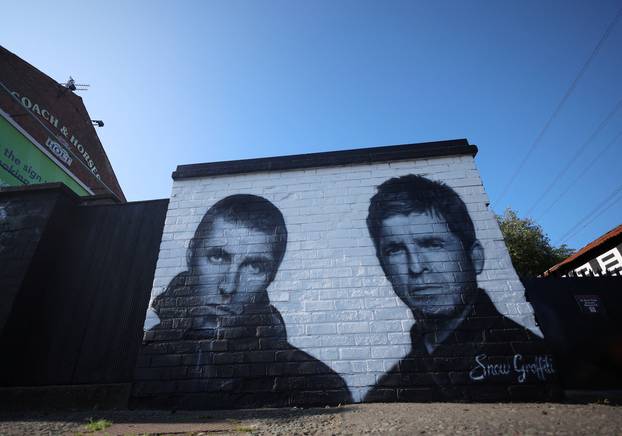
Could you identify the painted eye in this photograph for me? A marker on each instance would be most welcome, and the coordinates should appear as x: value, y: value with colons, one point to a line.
x: 256, y: 267
x: 393, y: 249
x: 433, y: 243
x: 217, y: 256
x: 215, y: 259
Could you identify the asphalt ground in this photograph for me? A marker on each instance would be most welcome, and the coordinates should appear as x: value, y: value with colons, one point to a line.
x: 389, y: 419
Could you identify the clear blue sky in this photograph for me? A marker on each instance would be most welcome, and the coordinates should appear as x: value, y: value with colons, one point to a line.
x: 199, y: 81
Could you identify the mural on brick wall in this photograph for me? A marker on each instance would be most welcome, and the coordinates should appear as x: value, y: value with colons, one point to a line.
x: 221, y: 309
x: 426, y: 245
x: 382, y: 282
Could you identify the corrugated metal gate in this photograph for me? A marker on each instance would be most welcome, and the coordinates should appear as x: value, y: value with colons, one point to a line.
x: 581, y: 319
x: 78, y: 316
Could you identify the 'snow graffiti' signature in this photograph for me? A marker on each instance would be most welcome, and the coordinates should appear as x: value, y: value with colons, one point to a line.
x: 539, y: 367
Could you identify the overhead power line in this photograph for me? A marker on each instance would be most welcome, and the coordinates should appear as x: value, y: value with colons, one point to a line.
x: 597, y: 156
x: 593, y: 214
x: 613, y: 203
x: 567, y: 94
x: 576, y: 156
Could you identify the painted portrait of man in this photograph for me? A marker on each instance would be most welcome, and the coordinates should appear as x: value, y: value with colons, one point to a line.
x: 426, y: 245
x: 217, y: 320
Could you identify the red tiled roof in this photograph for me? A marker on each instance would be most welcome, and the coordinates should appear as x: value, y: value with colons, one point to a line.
x: 589, y: 247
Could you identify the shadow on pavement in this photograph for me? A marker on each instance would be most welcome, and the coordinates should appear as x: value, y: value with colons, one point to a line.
x: 171, y: 416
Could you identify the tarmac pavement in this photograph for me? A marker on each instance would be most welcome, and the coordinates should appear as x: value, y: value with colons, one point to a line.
x: 389, y: 419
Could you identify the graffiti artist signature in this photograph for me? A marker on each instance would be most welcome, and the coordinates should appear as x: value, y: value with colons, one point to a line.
x: 540, y: 367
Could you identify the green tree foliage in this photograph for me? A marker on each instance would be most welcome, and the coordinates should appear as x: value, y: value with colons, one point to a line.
x: 530, y: 248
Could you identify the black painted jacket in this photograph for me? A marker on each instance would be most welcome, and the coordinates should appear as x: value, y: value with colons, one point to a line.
x: 488, y: 357
x: 246, y: 363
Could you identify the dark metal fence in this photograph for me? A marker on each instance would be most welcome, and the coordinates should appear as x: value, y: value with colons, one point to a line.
x: 77, y: 318
x: 581, y: 319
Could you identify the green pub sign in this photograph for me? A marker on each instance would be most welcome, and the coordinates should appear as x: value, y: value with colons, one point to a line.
x: 23, y: 162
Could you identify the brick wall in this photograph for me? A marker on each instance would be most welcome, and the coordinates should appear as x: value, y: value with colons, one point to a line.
x: 337, y: 305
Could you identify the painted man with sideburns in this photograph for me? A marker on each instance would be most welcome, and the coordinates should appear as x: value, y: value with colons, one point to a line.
x: 218, y: 317
x: 426, y: 245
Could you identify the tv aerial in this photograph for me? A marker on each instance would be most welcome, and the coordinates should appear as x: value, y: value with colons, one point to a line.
x: 73, y: 86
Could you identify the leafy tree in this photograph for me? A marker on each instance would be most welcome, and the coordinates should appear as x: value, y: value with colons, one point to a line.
x: 530, y: 248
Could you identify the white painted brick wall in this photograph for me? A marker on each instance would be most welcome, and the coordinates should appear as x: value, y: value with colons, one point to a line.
x: 335, y: 300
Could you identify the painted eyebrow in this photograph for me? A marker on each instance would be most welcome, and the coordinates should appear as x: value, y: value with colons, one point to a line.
x: 437, y: 240
x: 431, y: 238
x: 217, y: 251
x: 392, y: 244
x: 264, y: 259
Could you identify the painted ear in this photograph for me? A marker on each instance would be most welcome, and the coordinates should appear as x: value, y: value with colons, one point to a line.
x: 477, y: 256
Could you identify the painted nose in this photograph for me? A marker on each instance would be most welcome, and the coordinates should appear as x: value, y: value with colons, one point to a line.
x: 229, y: 282
x: 416, y: 264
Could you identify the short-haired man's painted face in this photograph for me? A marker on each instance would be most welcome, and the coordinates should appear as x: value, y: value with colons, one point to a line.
x: 427, y: 265
x: 232, y: 268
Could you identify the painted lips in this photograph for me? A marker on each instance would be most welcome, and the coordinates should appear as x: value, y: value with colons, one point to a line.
x: 211, y: 315
x: 218, y: 310
x: 422, y: 290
